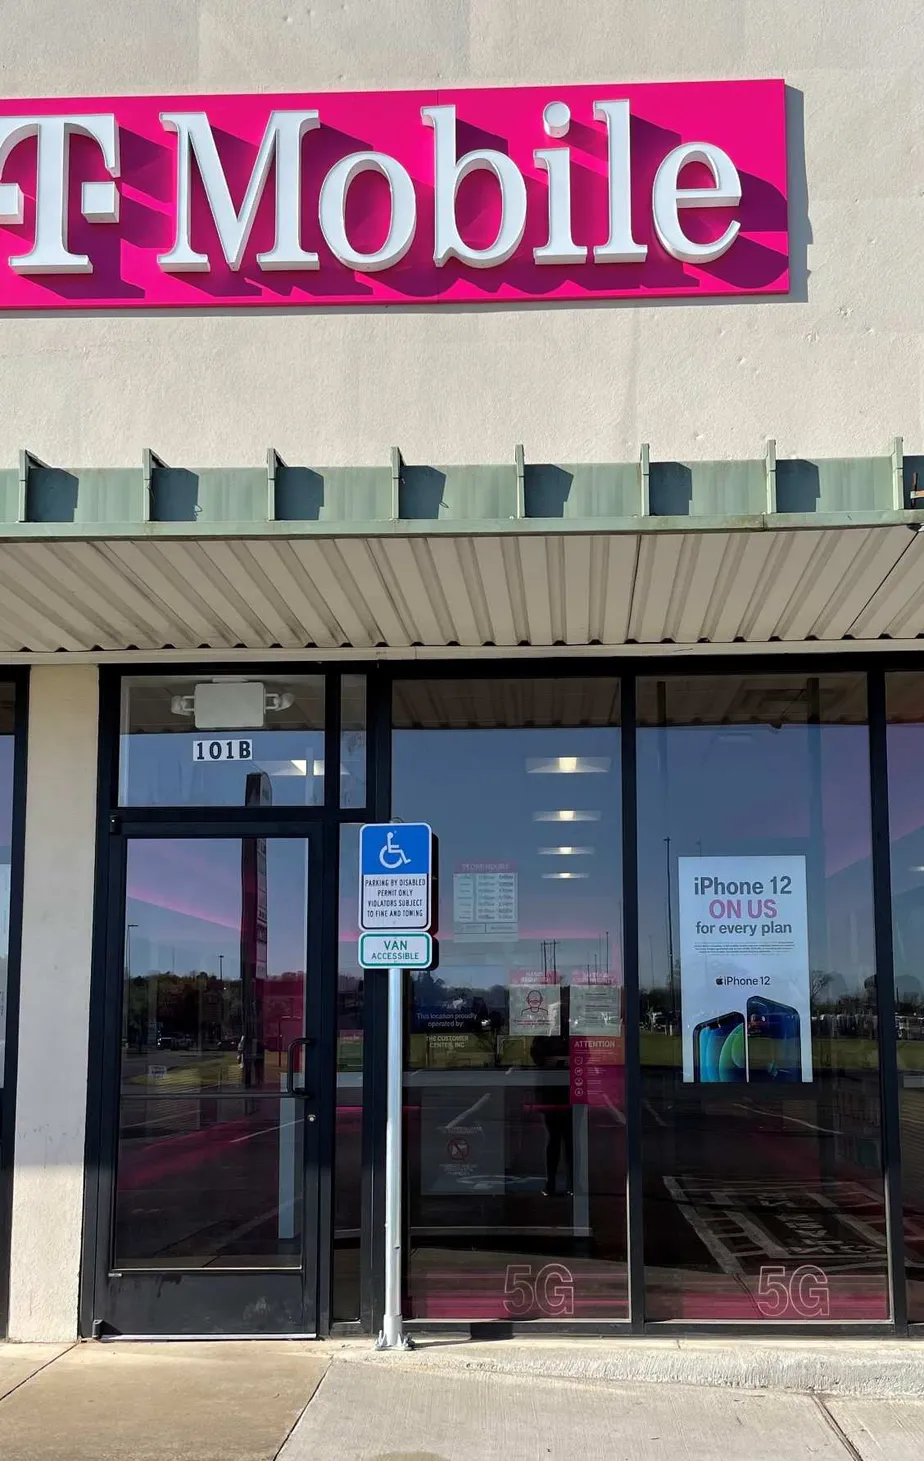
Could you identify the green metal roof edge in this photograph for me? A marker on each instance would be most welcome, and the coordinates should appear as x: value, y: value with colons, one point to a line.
x: 454, y: 528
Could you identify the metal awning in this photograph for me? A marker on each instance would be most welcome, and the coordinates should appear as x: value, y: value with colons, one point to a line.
x: 587, y: 576
x: 536, y: 588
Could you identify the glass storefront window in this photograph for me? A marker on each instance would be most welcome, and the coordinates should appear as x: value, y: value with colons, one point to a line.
x: 763, y: 1184
x: 200, y: 740
x: 353, y: 741
x: 905, y: 732
x: 515, y: 1071
x: 209, y: 1160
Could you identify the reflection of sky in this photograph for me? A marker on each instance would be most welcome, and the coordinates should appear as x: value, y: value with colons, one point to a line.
x: 906, y: 804
x: 184, y: 898
x: 158, y: 770
x: 718, y: 791
x: 742, y: 789
x: 6, y: 791
x: 475, y: 790
x: 906, y: 825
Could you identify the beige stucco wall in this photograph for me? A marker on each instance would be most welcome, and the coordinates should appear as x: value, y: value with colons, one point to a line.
x: 57, y: 924
x: 836, y: 373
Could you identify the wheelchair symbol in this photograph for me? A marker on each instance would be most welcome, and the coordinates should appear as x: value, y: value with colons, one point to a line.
x: 391, y: 855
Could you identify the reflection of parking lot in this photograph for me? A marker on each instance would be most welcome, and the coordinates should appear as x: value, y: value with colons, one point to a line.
x: 217, y: 1071
x: 201, y: 1181
x: 912, y: 1126
x: 481, y: 1147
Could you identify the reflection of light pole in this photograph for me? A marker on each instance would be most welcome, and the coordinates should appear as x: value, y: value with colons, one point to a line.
x: 670, y: 932
x: 128, y: 980
x: 221, y: 1000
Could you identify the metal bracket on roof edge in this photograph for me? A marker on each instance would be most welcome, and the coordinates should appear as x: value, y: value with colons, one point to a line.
x: 273, y: 463
x: 149, y: 462
x: 519, y: 459
x: 27, y: 460
x: 397, y: 471
x: 644, y: 479
x: 898, y: 473
x: 770, y: 460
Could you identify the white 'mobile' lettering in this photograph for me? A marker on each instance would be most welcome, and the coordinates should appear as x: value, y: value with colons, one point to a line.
x: 282, y: 139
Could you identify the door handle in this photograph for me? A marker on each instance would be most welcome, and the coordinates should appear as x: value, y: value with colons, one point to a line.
x: 303, y: 1042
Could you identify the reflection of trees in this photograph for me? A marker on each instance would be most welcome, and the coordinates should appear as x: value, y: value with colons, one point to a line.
x: 839, y: 1012
x: 181, y: 1006
x: 487, y: 1005
x: 909, y: 995
x: 653, y: 1003
x: 819, y: 981
x: 429, y: 988
x: 349, y: 1002
x: 205, y: 1009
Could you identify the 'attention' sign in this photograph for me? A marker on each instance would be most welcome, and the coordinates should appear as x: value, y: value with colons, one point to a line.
x: 364, y: 198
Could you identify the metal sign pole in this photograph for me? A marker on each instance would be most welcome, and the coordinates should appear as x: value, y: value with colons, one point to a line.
x: 395, y: 914
x: 392, y: 1336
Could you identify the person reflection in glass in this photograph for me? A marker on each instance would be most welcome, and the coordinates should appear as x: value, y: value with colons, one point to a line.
x: 550, y: 1053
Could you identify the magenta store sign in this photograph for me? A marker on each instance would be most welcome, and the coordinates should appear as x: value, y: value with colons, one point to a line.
x: 365, y: 198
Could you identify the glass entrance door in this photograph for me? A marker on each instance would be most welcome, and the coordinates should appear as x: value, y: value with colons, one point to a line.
x: 216, y: 1101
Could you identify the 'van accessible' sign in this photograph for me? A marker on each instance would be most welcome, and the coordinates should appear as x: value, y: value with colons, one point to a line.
x: 535, y: 193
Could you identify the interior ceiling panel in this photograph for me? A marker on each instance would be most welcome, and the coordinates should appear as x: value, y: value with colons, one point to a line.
x: 539, y: 588
x: 481, y: 704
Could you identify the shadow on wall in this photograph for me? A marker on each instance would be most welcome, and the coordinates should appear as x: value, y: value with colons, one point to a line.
x: 671, y: 490
x: 800, y: 227
x: 798, y: 486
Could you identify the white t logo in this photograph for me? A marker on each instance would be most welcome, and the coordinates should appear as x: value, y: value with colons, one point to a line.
x: 99, y: 201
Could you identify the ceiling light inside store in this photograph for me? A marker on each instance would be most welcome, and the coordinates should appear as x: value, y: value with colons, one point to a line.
x: 570, y: 876
x: 566, y: 816
x: 284, y: 768
x: 566, y: 851
x: 566, y: 765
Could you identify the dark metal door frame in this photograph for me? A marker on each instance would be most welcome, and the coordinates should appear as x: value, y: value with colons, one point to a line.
x: 208, y: 1302
x: 321, y: 827
x: 20, y: 679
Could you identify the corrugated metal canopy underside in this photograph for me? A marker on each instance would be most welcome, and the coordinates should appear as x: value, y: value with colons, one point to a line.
x: 399, y: 590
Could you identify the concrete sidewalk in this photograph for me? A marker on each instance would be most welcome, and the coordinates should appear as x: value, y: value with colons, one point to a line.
x: 449, y: 1401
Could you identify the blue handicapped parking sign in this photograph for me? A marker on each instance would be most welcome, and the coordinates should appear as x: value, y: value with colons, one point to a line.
x: 395, y: 847
x: 396, y: 866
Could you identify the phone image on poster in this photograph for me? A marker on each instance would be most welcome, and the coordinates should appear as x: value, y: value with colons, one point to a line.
x: 774, y: 1041
x: 719, y: 1050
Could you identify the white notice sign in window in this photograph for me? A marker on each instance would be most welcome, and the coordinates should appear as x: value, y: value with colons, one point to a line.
x: 484, y: 902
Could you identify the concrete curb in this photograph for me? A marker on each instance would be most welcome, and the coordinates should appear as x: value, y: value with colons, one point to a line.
x: 873, y: 1369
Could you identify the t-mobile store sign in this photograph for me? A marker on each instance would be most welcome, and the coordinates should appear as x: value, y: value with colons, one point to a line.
x: 395, y: 197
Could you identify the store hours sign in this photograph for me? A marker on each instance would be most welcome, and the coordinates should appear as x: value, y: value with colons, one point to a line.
x: 364, y: 198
